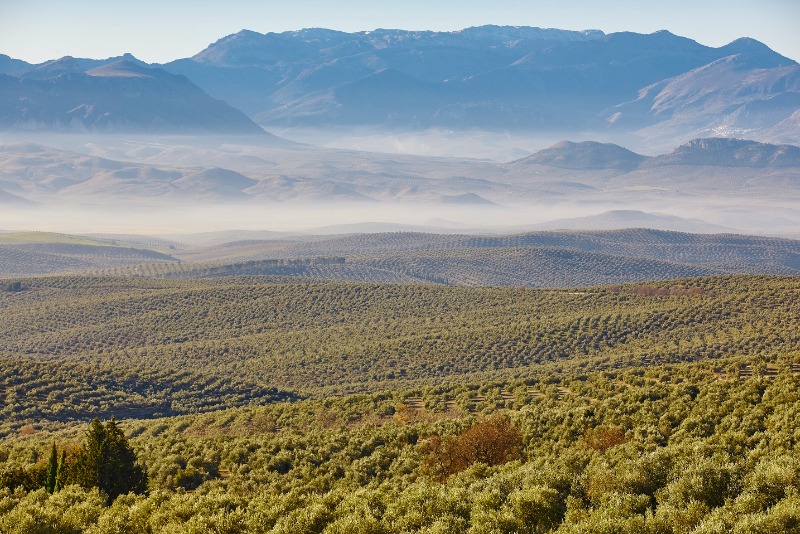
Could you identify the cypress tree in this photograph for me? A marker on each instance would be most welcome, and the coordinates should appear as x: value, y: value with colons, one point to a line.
x: 108, y: 462
x: 61, y: 471
x: 52, y: 470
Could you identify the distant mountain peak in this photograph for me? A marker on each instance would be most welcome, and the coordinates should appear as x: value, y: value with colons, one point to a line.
x: 123, y: 68
x: 719, y: 151
x: 72, y: 65
x: 747, y: 44
x: 628, y: 219
x: 586, y: 155
x: 249, y: 48
x: 56, y: 67
x: 525, y: 31
x: 756, y: 52
x: 241, y: 35
x: 127, y: 56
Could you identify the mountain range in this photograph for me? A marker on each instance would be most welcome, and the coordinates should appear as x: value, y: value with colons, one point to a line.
x: 657, y: 86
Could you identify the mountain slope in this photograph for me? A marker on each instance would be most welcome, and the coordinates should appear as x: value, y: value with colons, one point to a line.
x: 731, y: 153
x: 262, y: 73
x: 740, y: 94
x: 714, y: 151
x: 10, y: 199
x: 620, y: 219
x: 45, y: 173
x: 13, y: 67
x: 498, y: 77
x: 123, y: 96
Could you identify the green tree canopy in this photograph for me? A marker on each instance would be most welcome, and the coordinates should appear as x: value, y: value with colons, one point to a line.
x: 108, y: 462
x: 52, y: 470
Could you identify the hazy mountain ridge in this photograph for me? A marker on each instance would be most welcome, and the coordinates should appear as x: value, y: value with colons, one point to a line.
x: 660, y: 87
x: 748, y: 93
x: 11, y: 199
x: 731, y: 153
x: 14, y: 67
x: 586, y: 155
x: 725, y: 152
x: 131, y: 174
x: 491, y: 77
x: 119, y: 97
x: 621, y: 219
x: 37, y: 171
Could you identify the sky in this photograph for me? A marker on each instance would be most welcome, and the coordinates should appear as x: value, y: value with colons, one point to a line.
x: 158, y: 31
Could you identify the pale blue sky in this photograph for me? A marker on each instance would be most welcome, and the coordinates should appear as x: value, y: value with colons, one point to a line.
x: 162, y: 30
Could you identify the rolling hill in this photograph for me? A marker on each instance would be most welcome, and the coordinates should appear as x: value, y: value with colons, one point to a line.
x: 37, y: 253
x: 184, y: 170
x: 146, y: 347
x: 539, y: 259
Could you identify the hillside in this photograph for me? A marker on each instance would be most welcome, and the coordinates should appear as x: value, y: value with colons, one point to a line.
x: 207, y: 328
x: 121, y: 97
x: 751, y: 89
x: 537, y: 259
x: 167, y: 347
x: 49, y: 174
x: 37, y: 253
x: 731, y: 153
x: 621, y: 219
x: 13, y: 200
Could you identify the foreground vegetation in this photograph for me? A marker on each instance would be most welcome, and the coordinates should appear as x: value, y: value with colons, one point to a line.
x: 676, y: 448
x: 338, y: 408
